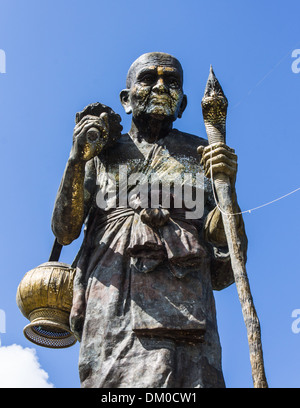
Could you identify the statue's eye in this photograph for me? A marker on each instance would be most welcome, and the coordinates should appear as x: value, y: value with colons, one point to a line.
x: 147, y: 78
x: 174, y: 82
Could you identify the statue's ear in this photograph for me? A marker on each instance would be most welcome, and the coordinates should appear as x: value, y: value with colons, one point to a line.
x: 182, y: 106
x: 124, y: 97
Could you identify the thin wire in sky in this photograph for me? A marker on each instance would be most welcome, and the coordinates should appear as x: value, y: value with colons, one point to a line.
x: 251, y: 209
x: 262, y: 79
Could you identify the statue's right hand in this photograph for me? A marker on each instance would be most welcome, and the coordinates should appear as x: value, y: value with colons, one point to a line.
x: 89, y: 137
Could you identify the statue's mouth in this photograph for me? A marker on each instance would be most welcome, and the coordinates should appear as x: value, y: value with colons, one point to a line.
x: 160, y: 99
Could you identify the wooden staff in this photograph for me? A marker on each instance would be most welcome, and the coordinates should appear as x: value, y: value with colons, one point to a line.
x: 214, y: 108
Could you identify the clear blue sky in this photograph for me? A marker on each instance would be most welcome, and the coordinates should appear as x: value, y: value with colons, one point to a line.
x: 62, y: 55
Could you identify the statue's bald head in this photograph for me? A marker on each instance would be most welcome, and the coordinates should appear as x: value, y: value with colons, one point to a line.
x: 154, y: 88
x: 152, y: 58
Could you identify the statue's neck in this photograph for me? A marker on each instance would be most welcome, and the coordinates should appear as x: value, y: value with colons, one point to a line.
x: 150, y: 129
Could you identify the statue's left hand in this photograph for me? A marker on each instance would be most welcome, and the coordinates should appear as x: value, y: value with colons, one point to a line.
x: 223, y: 161
x: 221, y: 158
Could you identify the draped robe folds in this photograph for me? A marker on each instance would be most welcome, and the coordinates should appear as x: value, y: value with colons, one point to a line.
x: 150, y: 318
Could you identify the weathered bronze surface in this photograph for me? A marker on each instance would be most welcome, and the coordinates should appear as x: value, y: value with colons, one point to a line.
x: 143, y: 305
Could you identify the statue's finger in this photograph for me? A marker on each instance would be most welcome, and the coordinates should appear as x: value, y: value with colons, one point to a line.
x: 91, y: 124
x: 220, y: 151
x: 200, y: 150
x: 217, y: 145
x: 89, y: 119
x: 104, y: 117
x: 221, y: 168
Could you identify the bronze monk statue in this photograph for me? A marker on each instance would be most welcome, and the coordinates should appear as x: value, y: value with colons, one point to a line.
x: 143, y: 305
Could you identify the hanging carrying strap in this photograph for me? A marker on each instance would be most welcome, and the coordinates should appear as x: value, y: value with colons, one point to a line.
x: 55, y: 252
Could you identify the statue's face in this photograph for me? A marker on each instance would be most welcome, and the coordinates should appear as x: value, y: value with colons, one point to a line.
x: 156, y: 90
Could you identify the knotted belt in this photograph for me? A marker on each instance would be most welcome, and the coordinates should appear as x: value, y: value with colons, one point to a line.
x: 158, y: 235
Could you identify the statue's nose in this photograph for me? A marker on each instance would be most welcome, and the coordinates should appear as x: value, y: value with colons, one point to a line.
x: 159, y: 87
